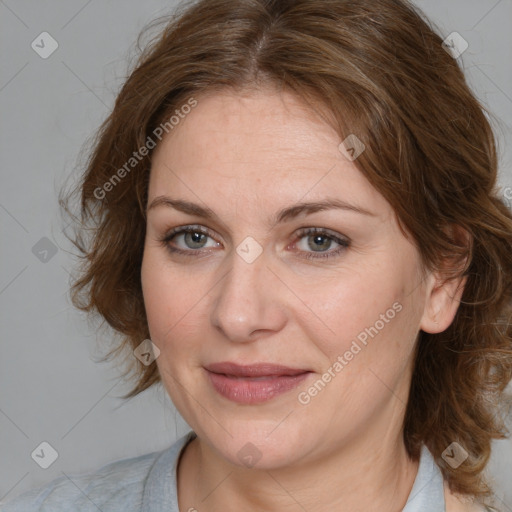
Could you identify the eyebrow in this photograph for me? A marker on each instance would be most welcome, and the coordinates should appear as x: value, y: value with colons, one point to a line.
x: 288, y: 213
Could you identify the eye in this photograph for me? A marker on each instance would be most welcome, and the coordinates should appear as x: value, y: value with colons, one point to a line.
x: 187, y: 239
x: 316, y: 242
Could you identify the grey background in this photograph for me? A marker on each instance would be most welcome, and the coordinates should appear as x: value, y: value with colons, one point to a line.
x: 51, y: 388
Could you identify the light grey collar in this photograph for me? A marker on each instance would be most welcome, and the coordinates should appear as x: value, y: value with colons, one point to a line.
x: 427, y: 493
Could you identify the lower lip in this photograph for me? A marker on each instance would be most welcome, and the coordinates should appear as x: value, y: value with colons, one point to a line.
x: 250, y: 391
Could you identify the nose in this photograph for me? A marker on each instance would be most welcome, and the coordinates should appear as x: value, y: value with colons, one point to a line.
x: 248, y: 303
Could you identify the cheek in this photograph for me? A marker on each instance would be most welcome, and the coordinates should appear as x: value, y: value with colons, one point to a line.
x: 161, y: 296
x: 368, y: 315
x: 367, y: 353
x: 174, y: 303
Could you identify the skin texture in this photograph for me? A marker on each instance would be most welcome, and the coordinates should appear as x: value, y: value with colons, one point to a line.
x: 246, y: 156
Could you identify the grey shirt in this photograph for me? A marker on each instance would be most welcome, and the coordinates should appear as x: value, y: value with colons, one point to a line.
x: 148, y: 484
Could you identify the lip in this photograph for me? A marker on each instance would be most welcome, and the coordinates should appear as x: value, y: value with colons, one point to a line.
x: 253, y: 370
x: 256, y: 383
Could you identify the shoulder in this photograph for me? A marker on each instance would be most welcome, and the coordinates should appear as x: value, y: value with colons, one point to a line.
x: 115, y: 486
x: 458, y: 503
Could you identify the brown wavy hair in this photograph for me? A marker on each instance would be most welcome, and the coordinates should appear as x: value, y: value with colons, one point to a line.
x: 379, y: 69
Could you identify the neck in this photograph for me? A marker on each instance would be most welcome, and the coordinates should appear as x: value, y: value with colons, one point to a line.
x: 354, y: 476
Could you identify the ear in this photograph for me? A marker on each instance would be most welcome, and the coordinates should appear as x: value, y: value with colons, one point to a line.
x: 443, y: 294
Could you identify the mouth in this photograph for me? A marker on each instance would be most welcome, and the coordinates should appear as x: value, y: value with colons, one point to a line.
x: 253, y: 384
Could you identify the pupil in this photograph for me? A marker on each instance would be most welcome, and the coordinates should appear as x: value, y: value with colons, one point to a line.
x: 318, y: 242
x: 196, y: 237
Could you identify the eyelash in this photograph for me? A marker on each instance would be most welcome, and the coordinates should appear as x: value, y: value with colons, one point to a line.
x: 343, y: 243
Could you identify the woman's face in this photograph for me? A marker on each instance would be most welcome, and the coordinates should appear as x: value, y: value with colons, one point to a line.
x: 333, y: 291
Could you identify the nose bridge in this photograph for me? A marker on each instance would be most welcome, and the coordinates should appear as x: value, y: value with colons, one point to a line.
x: 245, y: 301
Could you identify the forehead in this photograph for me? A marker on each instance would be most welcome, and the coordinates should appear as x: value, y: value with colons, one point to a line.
x: 253, y: 144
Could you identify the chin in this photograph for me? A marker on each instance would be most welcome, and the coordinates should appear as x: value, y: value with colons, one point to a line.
x: 258, y: 444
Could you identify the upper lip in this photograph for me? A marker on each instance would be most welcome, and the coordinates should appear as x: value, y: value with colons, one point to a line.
x: 253, y: 370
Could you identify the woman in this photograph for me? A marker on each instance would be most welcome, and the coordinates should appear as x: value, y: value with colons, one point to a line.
x: 297, y: 229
